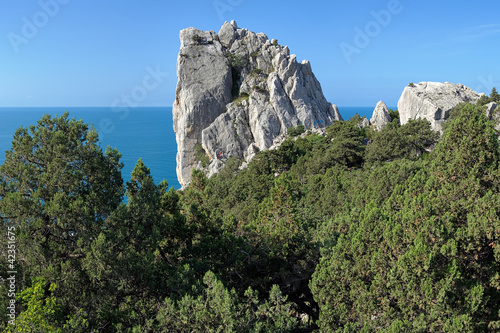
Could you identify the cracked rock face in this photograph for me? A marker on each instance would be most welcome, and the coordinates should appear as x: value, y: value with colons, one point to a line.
x: 433, y: 101
x: 237, y: 93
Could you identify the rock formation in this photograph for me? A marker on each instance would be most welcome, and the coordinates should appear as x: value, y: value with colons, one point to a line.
x: 490, y: 108
x: 493, y: 115
x: 237, y: 93
x: 380, y: 116
x: 364, y: 122
x: 433, y: 101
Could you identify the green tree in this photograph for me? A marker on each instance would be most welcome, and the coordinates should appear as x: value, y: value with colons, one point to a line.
x: 494, y: 96
x: 394, y: 114
x: 43, y: 313
x: 137, y: 259
x: 396, y: 141
x: 286, y: 242
x: 219, y: 309
x: 56, y: 184
x: 346, y: 146
x: 424, y: 259
x: 57, y: 189
x: 300, y: 129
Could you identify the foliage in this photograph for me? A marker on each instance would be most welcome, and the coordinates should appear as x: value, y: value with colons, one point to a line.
x: 242, y: 97
x: 238, y: 63
x: 57, y: 190
x: 346, y: 146
x: 218, y: 309
x: 394, y: 114
x: 196, y: 38
x: 201, y: 156
x: 43, y: 313
x: 494, y: 97
x: 354, y: 230
x: 396, y: 141
x: 424, y: 259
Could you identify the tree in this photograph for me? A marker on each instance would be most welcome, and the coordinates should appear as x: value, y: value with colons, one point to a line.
x: 57, y: 189
x: 494, y: 96
x: 418, y: 137
x: 396, y: 141
x: 424, y: 259
x: 58, y: 186
x: 43, y: 313
x: 133, y: 263
x: 346, y: 146
x: 219, y: 309
x: 286, y: 242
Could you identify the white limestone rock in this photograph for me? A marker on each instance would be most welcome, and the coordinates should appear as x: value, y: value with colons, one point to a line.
x: 202, y: 93
x: 363, y: 123
x: 275, y: 92
x: 381, y: 116
x: 493, y: 115
x: 433, y: 101
x: 490, y: 108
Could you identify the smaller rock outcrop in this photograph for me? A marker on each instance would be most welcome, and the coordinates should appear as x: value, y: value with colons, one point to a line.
x: 364, y: 123
x: 490, y: 108
x: 381, y: 116
x: 493, y: 115
x: 433, y: 101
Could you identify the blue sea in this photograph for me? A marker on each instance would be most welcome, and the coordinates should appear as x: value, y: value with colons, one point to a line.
x: 142, y: 132
x: 366, y: 111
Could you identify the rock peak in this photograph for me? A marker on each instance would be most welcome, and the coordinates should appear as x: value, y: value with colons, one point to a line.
x: 381, y: 116
x: 237, y: 93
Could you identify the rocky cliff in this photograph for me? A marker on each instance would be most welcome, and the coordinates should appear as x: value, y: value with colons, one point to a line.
x: 433, y: 101
x: 237, y: 93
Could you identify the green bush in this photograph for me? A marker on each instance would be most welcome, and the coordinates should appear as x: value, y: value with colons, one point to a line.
x: 201, y: 156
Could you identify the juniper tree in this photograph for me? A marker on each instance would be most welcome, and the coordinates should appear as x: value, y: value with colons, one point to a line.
x: 57, y: 188
x: 426, y: 258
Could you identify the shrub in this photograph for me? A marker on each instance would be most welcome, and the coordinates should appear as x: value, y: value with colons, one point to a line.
x: 196, y: 38
x: 259, y: 89
x: 201, y: 156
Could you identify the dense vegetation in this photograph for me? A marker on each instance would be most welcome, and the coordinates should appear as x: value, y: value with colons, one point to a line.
x: 352, y: 231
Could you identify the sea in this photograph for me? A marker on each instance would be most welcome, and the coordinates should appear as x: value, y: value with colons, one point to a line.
x: 138, y: 133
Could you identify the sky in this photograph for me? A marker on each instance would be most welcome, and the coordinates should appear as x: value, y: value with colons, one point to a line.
x: 123, y: 53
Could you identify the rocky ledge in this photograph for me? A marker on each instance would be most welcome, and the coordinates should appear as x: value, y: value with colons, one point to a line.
x: 237, y: 93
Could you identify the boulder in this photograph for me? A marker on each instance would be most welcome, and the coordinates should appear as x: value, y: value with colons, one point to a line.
x: 364, y: 122
x: 433, y: 101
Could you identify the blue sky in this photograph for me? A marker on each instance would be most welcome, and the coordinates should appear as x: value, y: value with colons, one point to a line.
x: 96, y: 53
